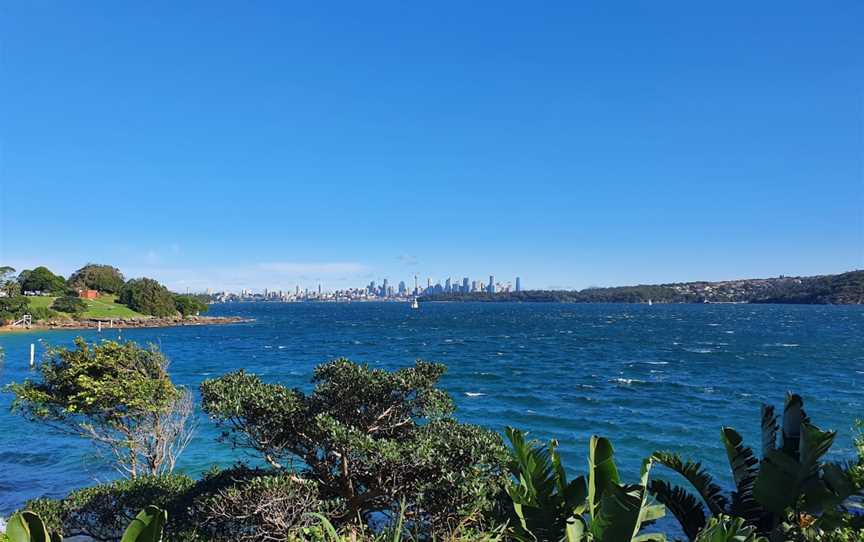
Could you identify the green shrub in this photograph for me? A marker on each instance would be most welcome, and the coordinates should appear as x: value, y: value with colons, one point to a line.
x: 42, y: 313
x: 69, y: 304
x: 13, y: 308
x: 104, y: 511
x: 371, y: 438
x: 188, y: 305
x: 248, y: 505
x: 148, y: 297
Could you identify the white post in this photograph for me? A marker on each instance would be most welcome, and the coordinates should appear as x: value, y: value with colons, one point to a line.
x: 100, y: 326
x: 32, y: 354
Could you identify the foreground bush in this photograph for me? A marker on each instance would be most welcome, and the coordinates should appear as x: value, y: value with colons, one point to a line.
x: 249, y: 505
x: 368, y: 438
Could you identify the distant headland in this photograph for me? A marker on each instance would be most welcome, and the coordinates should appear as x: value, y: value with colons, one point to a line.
x: 840, y: 289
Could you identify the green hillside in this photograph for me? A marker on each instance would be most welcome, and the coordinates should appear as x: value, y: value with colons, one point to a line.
x: 105, y: 306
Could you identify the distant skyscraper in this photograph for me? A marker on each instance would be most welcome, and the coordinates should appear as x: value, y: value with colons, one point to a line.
x: 491, y: 284
x: 465, y: 285
x: 384, y: 288
x: 518, y: 285
x: 473, y: 285
x: 319, y: 289
x: 416, y: 287
x: 402, y: 288
x: 447, y: 287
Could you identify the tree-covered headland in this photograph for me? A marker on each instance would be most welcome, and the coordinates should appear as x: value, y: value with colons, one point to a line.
x: 47, y: 296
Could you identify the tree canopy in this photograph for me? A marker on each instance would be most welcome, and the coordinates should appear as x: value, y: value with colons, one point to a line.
x: 13, y: 308
x: 188, y: 305
x: 118, y: 395
x: 148, y: 297
x: 368, y: 437
x: 103, y: 278
x: 41, y: 279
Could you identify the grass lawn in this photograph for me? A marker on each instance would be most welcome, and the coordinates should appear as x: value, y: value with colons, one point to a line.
x: 105, y: 306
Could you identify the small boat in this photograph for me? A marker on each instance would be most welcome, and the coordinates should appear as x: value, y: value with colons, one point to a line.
x: 650, y: 303
x: 415, y: 304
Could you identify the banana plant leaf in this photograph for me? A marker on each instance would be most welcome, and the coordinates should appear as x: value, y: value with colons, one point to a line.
x: 147, y: 526
x: 27, y: 527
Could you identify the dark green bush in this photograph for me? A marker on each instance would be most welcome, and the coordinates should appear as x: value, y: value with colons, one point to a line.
x: 42, y: 313
x: 148, y: 297
x: 69, y: 304
x: 188, y: 305
x: 13, y: 308
x: 248, y: 505
x: 104, y: 511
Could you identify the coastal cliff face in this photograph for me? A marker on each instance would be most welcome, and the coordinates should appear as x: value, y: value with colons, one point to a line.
x: 842, y: 289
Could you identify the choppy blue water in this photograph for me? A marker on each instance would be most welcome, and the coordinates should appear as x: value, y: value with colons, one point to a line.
x: 661, y: 377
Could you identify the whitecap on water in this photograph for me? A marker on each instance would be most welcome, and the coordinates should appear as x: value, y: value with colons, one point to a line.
x: 282, y: 347
x: 474, y: 394
x: 626, y: 381
x: 699, y: 350
x: 657, y: 362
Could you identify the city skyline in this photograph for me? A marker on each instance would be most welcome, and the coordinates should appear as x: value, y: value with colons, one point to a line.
x: 373, y: 290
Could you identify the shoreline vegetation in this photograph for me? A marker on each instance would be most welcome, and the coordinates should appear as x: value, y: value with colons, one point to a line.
x: 373, y: 455
x: 95, y: 297
x: 841, y: 289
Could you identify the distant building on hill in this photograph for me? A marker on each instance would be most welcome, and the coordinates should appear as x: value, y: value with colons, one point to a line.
x: 88, y: 294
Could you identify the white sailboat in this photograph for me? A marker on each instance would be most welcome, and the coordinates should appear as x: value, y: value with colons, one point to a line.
x: 650, y: 303
x: 415, y: 304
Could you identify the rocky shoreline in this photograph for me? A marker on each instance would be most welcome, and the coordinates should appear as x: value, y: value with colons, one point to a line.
x: 125, y: 323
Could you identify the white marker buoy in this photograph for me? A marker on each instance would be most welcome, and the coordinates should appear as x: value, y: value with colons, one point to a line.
x: 100, y: 326
x: 32, y: 354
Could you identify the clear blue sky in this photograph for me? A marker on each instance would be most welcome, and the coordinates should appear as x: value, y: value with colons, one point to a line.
x: 268, y: 144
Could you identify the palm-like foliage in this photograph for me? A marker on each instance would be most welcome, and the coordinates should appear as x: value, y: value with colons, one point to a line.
x: 789, y: 477
x: 549, y: 508
x: 726, y: 529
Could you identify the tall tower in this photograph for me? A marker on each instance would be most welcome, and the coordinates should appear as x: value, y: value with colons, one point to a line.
x: 416, y: 290
x: 491, y: 284
x: 518, y: 284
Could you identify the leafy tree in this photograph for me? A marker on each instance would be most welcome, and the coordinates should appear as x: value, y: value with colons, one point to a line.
x: 367, y: 437
x: 69, y: 304
x: 103, y: 278
x: 13, y: 308
x: 119, y: 396
x: 148, y: 297
x: 188, y: 305
x: 41, y: 279
x: 8, y: 284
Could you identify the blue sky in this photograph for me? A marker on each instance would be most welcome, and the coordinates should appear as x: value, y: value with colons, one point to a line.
x: 256, y: 144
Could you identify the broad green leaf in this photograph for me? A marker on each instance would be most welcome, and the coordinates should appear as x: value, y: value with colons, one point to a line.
x: 602, y: 472
x: 147, y: 526
x: 27, y: 527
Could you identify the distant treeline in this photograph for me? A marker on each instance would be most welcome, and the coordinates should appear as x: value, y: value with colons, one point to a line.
x: 846, y: 288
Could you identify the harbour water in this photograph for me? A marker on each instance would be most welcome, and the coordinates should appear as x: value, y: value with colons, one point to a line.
x: 660, y: 377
